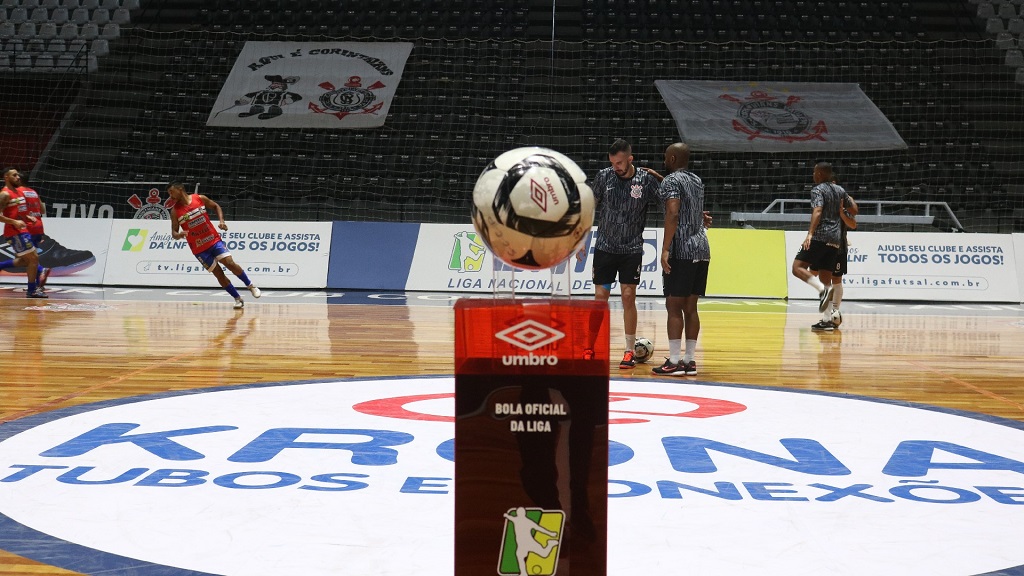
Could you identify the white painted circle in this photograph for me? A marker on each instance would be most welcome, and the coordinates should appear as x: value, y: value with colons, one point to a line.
x: 852, y: 502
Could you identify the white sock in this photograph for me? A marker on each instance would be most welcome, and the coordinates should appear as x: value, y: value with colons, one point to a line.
x: 630, y: 342
x: 837, y: 295
x: 673, y: 350
x: 815, y: 283
x: 691, y: 349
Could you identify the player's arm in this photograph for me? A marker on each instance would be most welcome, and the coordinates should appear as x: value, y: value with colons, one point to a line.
x: 5, y: 199
x: 176, y: 231
x: 848, y: 213
x: 671, y: 223
x: 652, y: 172
x: 815, y: 220
x: 211, y: 205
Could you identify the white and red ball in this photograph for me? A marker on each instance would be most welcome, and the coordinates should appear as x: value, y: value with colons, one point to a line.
x: 532, y: 207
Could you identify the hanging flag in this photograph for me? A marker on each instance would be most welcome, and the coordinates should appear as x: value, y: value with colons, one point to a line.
x: 311, y: 85
x: 776, y: 116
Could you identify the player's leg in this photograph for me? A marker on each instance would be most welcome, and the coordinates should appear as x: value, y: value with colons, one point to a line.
x: 603, y: 275
x: 43, y: 273
x: 210, y: 259
x: 698, y: 283
x: 826, y: 313
x: 26, y: 255
x: 628, y: 296
x: 804, y: 265
x: 629, y: 278
x: 225, y: 283
x: 235, y: 269
x: 674, y: 287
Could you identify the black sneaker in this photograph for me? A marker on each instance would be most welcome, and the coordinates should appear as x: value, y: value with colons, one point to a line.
x: 671, y: 369
x: 36, y: 294
x: 824, y: 297
x: 628, y: 360
x: 823, y: 326
x: 690, y: 367
x: 60, y: 260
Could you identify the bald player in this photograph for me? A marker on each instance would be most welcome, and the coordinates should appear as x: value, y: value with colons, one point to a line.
x: 820, y: 249
x: 685, y: 259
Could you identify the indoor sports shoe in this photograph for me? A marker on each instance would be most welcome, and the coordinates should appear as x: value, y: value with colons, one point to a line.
x: 588, y: 353
x: 690, y: 367
x: 36, y: 294
x: 823, y: 326
x: 60, y: 260
x: 670, y: 369
x: 628, y: 360
x: 255, y: 291
x: 824, y: 298
x: 239, y: 303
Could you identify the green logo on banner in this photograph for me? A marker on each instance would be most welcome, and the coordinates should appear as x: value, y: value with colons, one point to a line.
x: 467, y: 253
x: 530, y: 544
x: 134, y: 240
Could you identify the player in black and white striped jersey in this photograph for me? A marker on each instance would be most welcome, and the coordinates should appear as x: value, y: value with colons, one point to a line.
x: 623, y: 194
x: 685, y: 259
x: 820, y: 248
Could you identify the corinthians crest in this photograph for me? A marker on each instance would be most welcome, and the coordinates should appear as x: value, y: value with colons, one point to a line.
x: 351, y: 98
x: 761, y: 115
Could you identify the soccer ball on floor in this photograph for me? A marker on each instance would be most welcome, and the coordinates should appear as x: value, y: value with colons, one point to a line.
x: 837, y: 318
x: 532, y: 207
x: 643, y: 350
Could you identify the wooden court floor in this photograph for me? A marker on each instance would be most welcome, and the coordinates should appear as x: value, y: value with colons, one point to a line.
x: 89, y: 345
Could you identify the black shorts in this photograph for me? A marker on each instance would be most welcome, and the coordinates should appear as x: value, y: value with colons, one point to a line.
x: 840, y: 268
x: 608, y: 266
x: 687, y: 278
x: 820, y: 255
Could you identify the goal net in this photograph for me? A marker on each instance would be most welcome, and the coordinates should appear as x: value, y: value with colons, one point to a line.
x: 141, y: 118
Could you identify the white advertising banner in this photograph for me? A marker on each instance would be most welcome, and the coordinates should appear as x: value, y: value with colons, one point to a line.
x: 451, y: 257
x: 744, y: 116
x: 1018, y: 246
x: 272, y: 254
x: 75, y: 249
x: 311, y: 85
x: 933, y: 267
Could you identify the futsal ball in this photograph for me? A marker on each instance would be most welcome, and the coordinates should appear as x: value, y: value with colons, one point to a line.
x: 532, y: 207
x: 837, y: 318
x: 642, y: 350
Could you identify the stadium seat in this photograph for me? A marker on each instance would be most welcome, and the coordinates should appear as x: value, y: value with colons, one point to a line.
x: 17, y: 16
x: 26, y: 30
x: 80, y: 16
x: 68, y: 31
x: 89, y: 31
x: 111, y: 31
x: 47, y: 31
x: 100, y: 16
x: 60, y: 16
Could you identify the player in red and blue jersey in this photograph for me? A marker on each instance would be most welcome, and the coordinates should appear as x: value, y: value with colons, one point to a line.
x: 190, y: 219
x: 35, y: 226
x: 14, y: 213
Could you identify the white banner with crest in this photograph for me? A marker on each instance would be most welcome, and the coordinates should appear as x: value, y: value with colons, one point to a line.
x: 311, y: 85
x: 776, y: 116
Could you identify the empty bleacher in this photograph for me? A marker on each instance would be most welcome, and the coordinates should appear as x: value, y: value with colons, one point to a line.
x: 484, y: 76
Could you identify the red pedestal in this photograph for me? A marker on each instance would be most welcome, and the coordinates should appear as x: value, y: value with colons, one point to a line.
x: 531, y: 437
